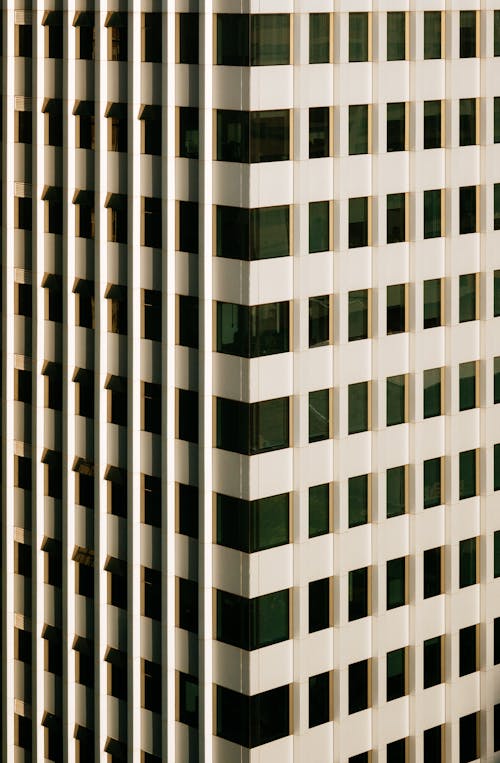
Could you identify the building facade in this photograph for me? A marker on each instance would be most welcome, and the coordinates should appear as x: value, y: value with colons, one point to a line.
x: 250, y: 368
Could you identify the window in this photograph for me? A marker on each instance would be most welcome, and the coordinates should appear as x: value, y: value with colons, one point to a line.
x: 319, y: 321
x: 251, y: 526
x: 468, y: 562
x: 396, y: 218
x: 84, y: 214
x: 468, y: 485
x: 22, y: 645
x: 395, y: 491
x: 22, y: 559
x: 496, y: 113
x: 396, y: 582
x: 53, y: 386
x: 396, y: 308
x: 496, y: 467
x: 496, y: 206
x: 432, y: 573
x: 253, y: 428
x: 252, y: 332
x: 359, y: 312
x: 256, y: 40
x: 358, y: 37
x: 396, y: 124
x: 24, y: 41
x: 468, y: 34
x: 255, y: 720
x: 363, y: 757
x: 358, y: 497
x: 189, y: 132
x: 151, y: 412
x: 189, y: 321
x: 85, y: 35
x: 23, y: 386
x: 319, y: 605
x: 432, y: 124
x: 52, y: 109
x: 396, y: 412
x: 469, y: 737
x: 358, y: 407
x: 319, y: 699
x: 188, y: 415
x: 117, y: 218
x: 496, y: 33
x: 433, y: 745
x: 396, y: 751
x: 496, y: 380
x: 151, y: 222
x: 188, y: 693
x: 188, y: 238
x: 396, y: 36
x: 433, y: 652
x: 319, y: 510
x: 319, y: 415
x: 84, y: 112
x: 23, y: 126
x: 150, y: 117
x: 496, y: 554
x: 468, y: 135
x: 468, y: 209
x: 432, y: 303
x: 117, y: 400
x: 359, y: 141
x: 151, y: 593
x: 188, y: 499
x: 187, y: 605
x: 256, y: 136
x: 467, y: 386
x: 432, y: 34
x: 117, y: 309
x: 22, y: 213
x: 319, y: 226
x: 432, y: 393
x: 496, y: 293
x: 256, y: 234
x: 432, y: 483
x: 188, y: 38
x: 151, y: 326
x: 53, y: 210
x: 151, y: 37
x: 358, y: 221
x: 151, y: 687
x: 253, y: 623
x: 117, y: 36
x: 319, y: 132
x: 116, y: 113
x: 359, y: 686
x: 53, y: 34
x: 496, y: 641
x: 22, y: 465
x: 359, y: 593
x: 432, y: 214
x: 319, y: 38
x: 117, y: 588
x: 496, y: 728
x: 468, y: 650
x: 396, y: 674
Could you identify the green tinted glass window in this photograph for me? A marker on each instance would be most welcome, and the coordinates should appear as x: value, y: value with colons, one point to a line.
x: 396, y: 130
x: 319, y: 605
x: 359, y: 688
x: 319, y: 226
x: 233, y: 39
x: 396, y: 400
x: 396, y: 308
x: 252, y: 428
x: 358, y: 407
x: 189, y: 36
x: 319, y: 510
x: 358, y: 37
x: 467, y: 305
x: 432, y: 213
x: 467, y: 382
x: 188, y: 700
x: 467, y: 121
x: 396, y: 582
x: 468, y: 223
x: 251, y: 332
x: 358, y: 129
x: 319, y: 132
x: 319, y: 699
x: 432, y: 124
x: 358, y: 314
x: 396, y: 36
x: 256, y: 234
x: 188, y: 132
x: 358, y: 222
x: 396, y: 216
x: 270, y: 39
x: 468, y: 42
x: 319, y: 415
x: 496, y: 293
x: 432, y: 303
x: 432, y: 572
x: 432, y: 482
x: 432, y: 34
x: 396, y: 491
x: 319, y: 38
x: 467, y: 566
x: 496, y: 36
x: 358, y: 593
x: 319, y: 321
x: 233, y: 136
x: 432, y: 393
x: 432, y: 662
x: 496, y: 380
x: 496, y: 206
x: 467, y: 472
x: 496, y: 467
x: 358, y: 500
x: 258, y: 136
x: 396, y: 679
x: 496, y: 117
x: 496, y: 554
x: 253, y: 525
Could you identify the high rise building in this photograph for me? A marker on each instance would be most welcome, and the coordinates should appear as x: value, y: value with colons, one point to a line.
x: 250, y: 374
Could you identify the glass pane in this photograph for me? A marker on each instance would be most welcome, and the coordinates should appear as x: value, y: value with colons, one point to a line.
x: 496, y: 206
x: 432, y: 482
x: 269, y: 619
x: 432, y: 392
x: 396, y: 491
x: 432, y: 34
x: 319, y: 510
x: 396, y: 309
x: 270, y: 43
x: 395, y: 674
x: 432, y: 213
x: 395, y: 399
x: 358, y: 407
x: 468, y: 209
x: 269, y: 425
x: 269, y: 522
x: 319, y: 38
x: 467, y: 34
x: 358, y: 37
x: 269, y: 136
x: 232, y: 136
x: 319, y: 321
x: 233, y: 233
x: 432, y: 303
x: 358, y: 500
x: 496, y: 34
x: 432, y: 124
x: 319, y: 699
x: 396, y: 594
x: 358, y: 315
x: 319, y: 226
x: 269, y: 330
x: 319, y: 415
x: 319, y: 132
x: 467, y: 121
x: 232, y: 329
x: 233, y: 620
x: 496, y: 293
x: 358, y: 686
x: 432, y: 572
x: 467, y: 562
x: 358, y: 593
x: 496, y: 467
x: 189, y: 38
x: 233, y: 424
x: 432, y: 662
x: 358, y: 222
x: 269, y: 716
x: 496, y: 117
x: 233, y: 716
x: 467, y: 306
x: 467, y: 463
x: 270, y: 232
x: 396, y: 36
x: 496, y: 554
x: 496, y: 380
x: 232, y: 39
x: 467, y: 376
x: 319, y: 605
x: 189, y: 133
x: 358, y: 129
x: 396, y: 114
x: 396, y: 230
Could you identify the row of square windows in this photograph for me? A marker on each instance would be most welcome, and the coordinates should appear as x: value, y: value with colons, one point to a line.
x: 259, y: 39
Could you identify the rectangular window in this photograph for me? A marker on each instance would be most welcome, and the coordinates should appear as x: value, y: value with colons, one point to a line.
x: 496, y: 380
x: 432, y: 34
x: 468, y: 34
x: 319, y: 321
x: 496, y: 113
x: 496, y: 206
x: 253, y: 234
x: 358, y: 410
x: 396, y: 674
x: 396, y: 582
x: 496, y: 641
x: 432, y: 214
x: 358, y: 498
x: 187, y: 605
x: 359, y: 686
x: 319, y: 699
x: 189, y: 38
x: 432, y: 124
x: 187, y: 510
x: 269, y: 39
x: 188, y: 688
x: 467, y: 650
x: 251, y: 526
x: 253, y: 623
x: 468, y: 562
x: 496, y: 466
x: 467, y: 386
x: 496, y: 554
x: 468, y: 135
x: 496, y: 293
x: 253, y: 428
x: 319, y: 38
x: 319, y: 132
x: 432, y: 303
x: 433, y: 671
x: 358, y: 129
x: 359, y: 593
x: 319, y: 226
x: 319, y: 605
x: 151, y: 324
x: 395, y: 491
x: 432, y: 393
x: 468, y: 222
x: 257, y: 136
x: 358, y: 37
x: 396, y: 36
x: 188, y: 132
x: 467, y: 471
x: 396, y: 309
x: 469, y: 737
x: 496, y: 33
x: 151, y: 37
x: 358, y: 221
x: 246, y: 721
x: 432, y: 572
x: 496, y: 728
x: 319, y: 510
x: 432, y: 483
x: 433, y: 745
x: 151, y: 222
x: 396, y: 125
x: 251, y: 332
x: 358, y: 309
x: 233, y: 39
x: 396, y: 400
x: 319, y: 415
x: 396, y: 218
